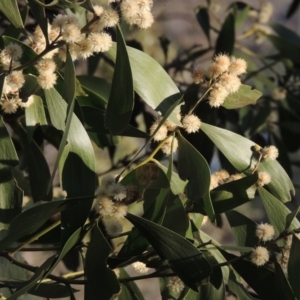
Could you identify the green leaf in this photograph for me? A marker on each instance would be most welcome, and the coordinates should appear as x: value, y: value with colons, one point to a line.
x: 70, y: 243
x: 226, y: 38
x: 238, y: 150
x: 161, y: 91
x: 69, y: 80
x: 78, y: 163
x: 243, y: 229
x: 290, y: 218
x: 230, y: 195
x: 237, y: 288
x: 10, y: 9
x: 282, y: 283
x: 177, y: 185
x: 241, y: 16
x: 244, y: 96
x: 276, y: 211
x: 208, y: 291
x: 100, y: 279
x: 35, y: 115
x: 203, y: 19
x: 98, y: 86
x: 94, y: 118
x: 33, y: 280
x: 120, y: 104
x: 261, y: 280
x: 193, y: 166
x: 129, y: 288
x: 33, y: 218
x: 10, y: 194
x: 186, y: 261
x: 293, y: 266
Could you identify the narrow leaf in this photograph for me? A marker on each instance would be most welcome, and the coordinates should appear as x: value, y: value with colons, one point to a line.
x: 226, y: 38
x: 238, y: 150
x: 10, y: 9
x: 203, y: 19
x: 186, y: 261
x: 193, y: 166
x: 120, y: 104
x: 100, y: 279
x: 294, y: 265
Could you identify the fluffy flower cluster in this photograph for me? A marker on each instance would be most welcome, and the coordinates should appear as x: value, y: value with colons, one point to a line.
x: 225, y: 74
x: 270, y: 152
x: 265, y: 232
x: 10, y: 58
x: 140, y: 267
x: 137, y: 12
x: 263, y: 178
x: 221, y: 177
x: 260, y: 256
x: 110, y: 199
x: 162, y: 134
x: 175, y: 284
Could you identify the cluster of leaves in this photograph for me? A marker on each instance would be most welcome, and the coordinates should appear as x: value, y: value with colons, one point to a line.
x: 83, y: 109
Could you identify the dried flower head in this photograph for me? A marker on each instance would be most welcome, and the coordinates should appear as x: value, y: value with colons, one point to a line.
x: 113, y: 227
x: 104, y: 206
x: 120, y: 210
x: 222, y: 176
x: 214, y: 181
x: 144, y: 19
x: 140, y: 267
x: 197, y: 76
x: 175, y: 284
x: 265, y: 232
x: 107, y: 180
x: 71, y: 33
x: 263, y: 178
x: 270, y: 152
x: 117, y: 191
x: 191, y: 123
x: 11, y: 52
x: 166, y: 148
x: 260, y: 256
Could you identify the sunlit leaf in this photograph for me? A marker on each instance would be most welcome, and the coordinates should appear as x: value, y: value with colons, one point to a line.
x: 161, y: 91
x: 78, y: 161
x: 244, y: 96
x: 238, y: 150
x: 10, y: 9
x: 276, y: 211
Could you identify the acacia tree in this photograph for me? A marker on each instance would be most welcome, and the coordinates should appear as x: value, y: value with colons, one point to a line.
x: 42, y: 99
